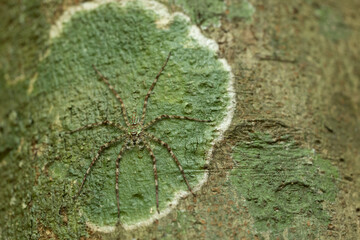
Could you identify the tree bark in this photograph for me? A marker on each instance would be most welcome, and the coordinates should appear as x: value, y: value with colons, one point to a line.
x: 295, y: 128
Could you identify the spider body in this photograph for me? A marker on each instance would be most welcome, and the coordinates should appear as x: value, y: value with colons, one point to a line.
x: 134, y: 137
x: 134, y: 134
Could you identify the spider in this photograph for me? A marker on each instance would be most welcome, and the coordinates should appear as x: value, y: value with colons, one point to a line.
x: 134, y: 135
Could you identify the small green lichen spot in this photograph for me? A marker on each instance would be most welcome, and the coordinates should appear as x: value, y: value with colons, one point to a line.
x: 126, y: 46
x: 203, y: 12
x: 285, y: 186
x: 331, y: 24
x: 242, y: 10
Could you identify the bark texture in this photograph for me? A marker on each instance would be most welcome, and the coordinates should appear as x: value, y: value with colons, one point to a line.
x: 287, y: 168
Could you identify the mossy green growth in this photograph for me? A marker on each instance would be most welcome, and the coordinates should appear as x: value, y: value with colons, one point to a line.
x: 242, y: 10
x: 331, y: 24
x: 203, y: 13
x: 129, y: 49
x: 284, y: 185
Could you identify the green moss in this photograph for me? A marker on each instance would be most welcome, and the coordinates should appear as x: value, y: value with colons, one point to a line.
x: 283, y: 185
x: 242, y: 10
x: 128, y: 48
x: 203, y: 12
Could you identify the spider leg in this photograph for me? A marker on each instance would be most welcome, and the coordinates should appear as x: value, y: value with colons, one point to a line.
x: 103, y: 123
x: 105, y: 80
x: 151, y: 88
x: 102, y: 148
x: 173, y: 156
x: 159, y: 118
x: 147, y: 145
x: 123, y: 148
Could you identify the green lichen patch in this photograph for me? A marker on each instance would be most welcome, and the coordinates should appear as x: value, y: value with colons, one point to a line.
x: 331, y: 23
x: 204, y: 13
x: 125, y: 44
x: 284, y: 185
x: 241, y: 10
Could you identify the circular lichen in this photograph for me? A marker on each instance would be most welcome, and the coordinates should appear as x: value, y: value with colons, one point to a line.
x: 127, y: 46
x: 284, y: 185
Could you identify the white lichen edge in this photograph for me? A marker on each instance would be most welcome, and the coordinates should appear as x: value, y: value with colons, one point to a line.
x: 164, y: 18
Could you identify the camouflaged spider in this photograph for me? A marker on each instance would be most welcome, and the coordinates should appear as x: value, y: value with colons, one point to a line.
x: 134, y: 135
